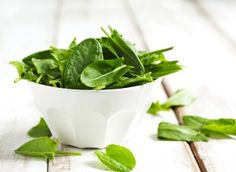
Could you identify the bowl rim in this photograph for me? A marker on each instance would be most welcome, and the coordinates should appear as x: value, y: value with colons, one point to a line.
x: 97, y: 91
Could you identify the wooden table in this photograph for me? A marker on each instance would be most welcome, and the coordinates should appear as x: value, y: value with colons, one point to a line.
x: 204, y: 36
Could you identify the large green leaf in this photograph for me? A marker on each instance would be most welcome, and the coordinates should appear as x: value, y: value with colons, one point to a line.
x: 88, y: 51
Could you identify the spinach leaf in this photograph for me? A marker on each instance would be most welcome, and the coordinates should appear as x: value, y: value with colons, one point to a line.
x: 46, y: 54
x: 156, y: 107
x: 163, y: 68
x: 126, y: 82
x: 20, y: 67
x: 156, y: 52
x: 40, y: 130
x: 216, y: 128
x: 103, y: 73
x: 170, y: 131
x: 152, y: 59
x: 181, y: 97
x: 108, y: 49
x: 125, y: 49
x: 43, y: 147
x: 88, y: 51
x: 117, y: 158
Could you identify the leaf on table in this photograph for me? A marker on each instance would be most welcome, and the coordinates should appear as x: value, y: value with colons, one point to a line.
x: 117, y: 158
x: 40, y: 130
x: 215, y: 128
x: 168, y: 131
x: 182, y: 97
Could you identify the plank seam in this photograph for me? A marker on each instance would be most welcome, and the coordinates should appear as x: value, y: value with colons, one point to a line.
x: 214, y: 24
x: 177, y: 111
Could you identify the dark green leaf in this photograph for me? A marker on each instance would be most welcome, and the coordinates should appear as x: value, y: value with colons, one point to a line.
x: 40, y: 130
x: 170, y: 131
x: 46, y: 54
x: 126, y: 82
x: 117, y: 158
x: 125, y: 49
x: 108, y: 49
x: 103, y: 73
x: 88, y: 51
x: 163, y: 68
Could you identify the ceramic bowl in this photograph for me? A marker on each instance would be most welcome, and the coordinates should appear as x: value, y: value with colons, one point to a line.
x: 90, y: 118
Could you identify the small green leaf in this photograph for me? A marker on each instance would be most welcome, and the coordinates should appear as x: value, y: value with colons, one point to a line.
x: 103, y: 73
x: 20, y: 69
x: 108, y: 49
x: 182, y: 97
x: 127, y: 82
x: 164, y: 68
x: 46, y: 54
x: 44, y: 65
x: 216, y: 128
x: 156, y: 107
x: 117, y: 158
x: 170, y: 131
x: 124, y: 49
x: 42, y: 147
x: 40, y: 130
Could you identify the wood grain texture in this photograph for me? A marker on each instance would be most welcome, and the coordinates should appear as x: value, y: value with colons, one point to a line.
x: 83, y: 19
x: 209, y: 62
x: 26, y: 26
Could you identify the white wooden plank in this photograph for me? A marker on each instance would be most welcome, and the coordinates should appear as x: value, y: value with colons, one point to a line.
x: 25, y: 26
x: 209, y: 66
x: 223, y: 13
x: 83, y: 19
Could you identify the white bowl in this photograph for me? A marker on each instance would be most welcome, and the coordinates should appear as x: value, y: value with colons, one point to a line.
x: 90, y: 118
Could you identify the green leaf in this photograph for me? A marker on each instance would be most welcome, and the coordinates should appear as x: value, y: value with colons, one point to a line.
x: 42, y: 147
x: 40, y: 130
x: 156, y: 107
x: 181, y: 97
x: 117, y: 158
x: 88, y: 51
x: 127, y: 82
x: 103, y: 73
x: 170, y: 131
x: 20, y: 69
x: 153, y: 57
x: 44, y: 65
x: 164, y: 68
x: 66, y: 153
x: 73, y: 44
x: 125, y: 49
x: 46, y: 54
x: 215, y: 128
x: 108, y: 49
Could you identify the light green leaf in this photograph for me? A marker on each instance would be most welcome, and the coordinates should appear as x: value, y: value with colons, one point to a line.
x: 170, y: 131
x: 117, y: 158
x: 40, y: 130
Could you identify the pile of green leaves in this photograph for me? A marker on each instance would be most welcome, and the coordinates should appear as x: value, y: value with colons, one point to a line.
x: 104, y: 63
x: 196, y: 128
